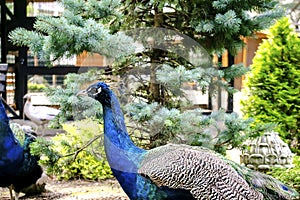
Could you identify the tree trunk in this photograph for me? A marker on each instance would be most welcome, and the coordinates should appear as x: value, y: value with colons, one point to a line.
x: 155, y: 58
x: 154, y: 86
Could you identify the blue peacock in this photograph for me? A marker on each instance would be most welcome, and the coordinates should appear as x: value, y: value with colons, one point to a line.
x: 18, y: 168
x: 175, y: 171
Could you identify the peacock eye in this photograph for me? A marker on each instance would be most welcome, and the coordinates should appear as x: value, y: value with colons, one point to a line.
x: 99, y: 90
x: 93, y: 90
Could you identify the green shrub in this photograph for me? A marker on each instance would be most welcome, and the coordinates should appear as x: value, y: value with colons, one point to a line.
x: 77, y: 154
x: 291, y: 176
x: 35, y: 87
x: 273, y: 85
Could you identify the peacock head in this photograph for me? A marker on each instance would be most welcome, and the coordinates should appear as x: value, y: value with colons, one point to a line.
x: 99, y: 91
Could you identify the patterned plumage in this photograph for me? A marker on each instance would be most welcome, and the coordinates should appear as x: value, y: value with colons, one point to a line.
x: 176, y: 171
x: 18, y: 168
x: 174, y: 166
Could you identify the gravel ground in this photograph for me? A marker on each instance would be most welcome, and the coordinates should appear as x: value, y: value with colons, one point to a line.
x: 75, y: 190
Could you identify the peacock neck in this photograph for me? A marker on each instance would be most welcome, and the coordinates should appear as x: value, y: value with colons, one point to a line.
x: 121, y: 152
x: 11, y: 151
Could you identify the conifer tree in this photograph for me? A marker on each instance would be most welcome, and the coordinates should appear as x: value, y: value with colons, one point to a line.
x: 96, y: 26
x: 272, y: 87
x: 88, y: 26
x: 216, y: 25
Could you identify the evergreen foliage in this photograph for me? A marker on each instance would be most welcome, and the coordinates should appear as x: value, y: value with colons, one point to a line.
x: 151, y: 123
x: 216, y: 25
x: 95, y: 26
x: 206, y: 78
x: 87, y: 26
x: 272, y: 87
x: 219, y: 131
x: 84, y: 26
x: 72, y: 106
x: 79, y: 29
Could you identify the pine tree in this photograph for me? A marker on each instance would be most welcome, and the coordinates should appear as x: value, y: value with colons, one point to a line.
x: 89, y: 26
x: 273, y: 92
x: 214, y: 25
x: 205, y: 27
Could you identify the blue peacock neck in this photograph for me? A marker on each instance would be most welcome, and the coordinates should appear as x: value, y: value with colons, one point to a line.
x: 121, y: 152
x: 11, y: 151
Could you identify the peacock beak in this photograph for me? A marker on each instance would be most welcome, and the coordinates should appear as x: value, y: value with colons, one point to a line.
x: 82, y: 93
x: 91, y: 91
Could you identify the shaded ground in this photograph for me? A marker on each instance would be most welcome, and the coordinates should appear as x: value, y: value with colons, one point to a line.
x: 75, y: 190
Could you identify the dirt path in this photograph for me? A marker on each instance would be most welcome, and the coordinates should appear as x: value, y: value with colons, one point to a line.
x: 75, y: 190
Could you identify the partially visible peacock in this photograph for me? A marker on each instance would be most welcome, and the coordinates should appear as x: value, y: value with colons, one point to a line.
x: 18, y: 168
x: 177, y: 171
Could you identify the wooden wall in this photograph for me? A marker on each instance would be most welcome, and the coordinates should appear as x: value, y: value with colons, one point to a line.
x: 89, y: 59
x: 245, y: 55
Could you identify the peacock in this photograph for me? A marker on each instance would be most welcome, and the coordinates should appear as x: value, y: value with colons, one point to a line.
x: 18, y: 168
x: 176, y: 171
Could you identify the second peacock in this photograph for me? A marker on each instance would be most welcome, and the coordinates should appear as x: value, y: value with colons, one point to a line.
x: 176, y: 171
x: 18, y: 168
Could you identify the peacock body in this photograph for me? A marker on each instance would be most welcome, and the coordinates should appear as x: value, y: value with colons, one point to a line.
x: 18, y: 168
x: 11, y: 152
x: 176, y: 171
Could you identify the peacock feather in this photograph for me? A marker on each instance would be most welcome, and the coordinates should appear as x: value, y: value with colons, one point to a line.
x: 11, y: 152
x: 176, y: 171
x: 18, y: 168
